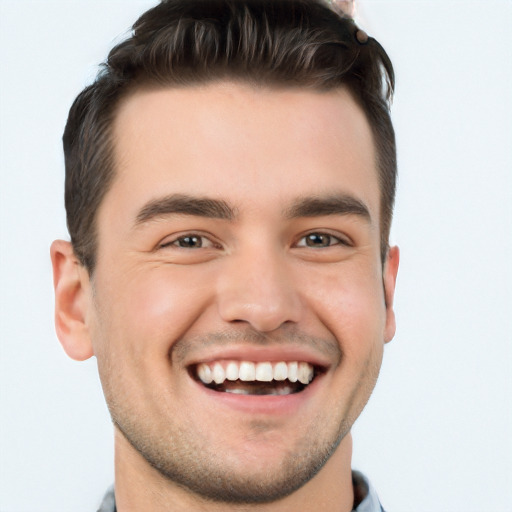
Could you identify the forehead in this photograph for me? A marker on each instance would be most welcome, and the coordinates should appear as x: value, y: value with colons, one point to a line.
x: 242, y: 143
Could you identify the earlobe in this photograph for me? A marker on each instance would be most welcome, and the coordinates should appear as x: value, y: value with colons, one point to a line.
x: 70, y: 282
x: 390, y: 273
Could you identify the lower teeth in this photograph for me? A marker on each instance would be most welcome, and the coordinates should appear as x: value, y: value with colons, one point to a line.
x: 258, y: 388
x: 275, y: 392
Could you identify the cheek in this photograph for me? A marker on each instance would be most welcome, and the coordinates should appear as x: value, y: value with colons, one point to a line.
x: 349, y: 301
x: 138, y: 324
x: 152, y: 309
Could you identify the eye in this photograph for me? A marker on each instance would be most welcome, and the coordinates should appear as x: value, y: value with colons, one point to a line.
x: 189, y: 241
x: 320, y: 240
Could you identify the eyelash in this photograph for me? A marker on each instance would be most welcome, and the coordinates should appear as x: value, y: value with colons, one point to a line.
x: 177, y: 240
x: 337, y: 241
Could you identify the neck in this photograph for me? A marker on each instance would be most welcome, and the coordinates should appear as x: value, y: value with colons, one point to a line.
x: 138, y: 486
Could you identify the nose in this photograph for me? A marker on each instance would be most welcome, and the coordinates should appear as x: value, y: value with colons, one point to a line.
x: 258, y: 289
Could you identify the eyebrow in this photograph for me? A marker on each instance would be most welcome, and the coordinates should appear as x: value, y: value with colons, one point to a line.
x: 185, y: 205
x: 336, y: 204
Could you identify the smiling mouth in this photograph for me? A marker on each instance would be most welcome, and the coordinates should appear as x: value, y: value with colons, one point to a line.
x: 256, y: 378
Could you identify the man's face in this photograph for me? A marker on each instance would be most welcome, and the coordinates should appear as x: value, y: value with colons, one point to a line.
x: 240, y: 236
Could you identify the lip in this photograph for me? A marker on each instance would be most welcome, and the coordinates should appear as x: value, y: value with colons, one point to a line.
x: 261, y: 405
x: 267, y: 405
x: 257, y: 354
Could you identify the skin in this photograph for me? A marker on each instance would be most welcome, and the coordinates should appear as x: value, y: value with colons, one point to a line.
x: 250, y: 287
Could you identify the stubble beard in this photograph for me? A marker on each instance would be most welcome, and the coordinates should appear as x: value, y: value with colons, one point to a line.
x: 181, y: 453
x: 213, y: 477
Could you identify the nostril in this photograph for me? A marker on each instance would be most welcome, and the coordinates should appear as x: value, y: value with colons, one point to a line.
x: 262, y: 318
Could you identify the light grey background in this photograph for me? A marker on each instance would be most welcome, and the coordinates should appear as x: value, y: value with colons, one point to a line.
x: 436, y: 436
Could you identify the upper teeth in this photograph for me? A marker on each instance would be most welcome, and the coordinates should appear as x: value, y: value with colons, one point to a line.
x: 255, y: 372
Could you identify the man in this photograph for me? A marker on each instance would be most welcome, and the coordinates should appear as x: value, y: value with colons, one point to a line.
x: 230, y: 178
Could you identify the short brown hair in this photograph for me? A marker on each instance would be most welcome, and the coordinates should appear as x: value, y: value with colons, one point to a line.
x: 291, y: 43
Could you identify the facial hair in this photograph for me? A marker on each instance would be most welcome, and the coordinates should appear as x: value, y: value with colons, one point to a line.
x: 180, y: 451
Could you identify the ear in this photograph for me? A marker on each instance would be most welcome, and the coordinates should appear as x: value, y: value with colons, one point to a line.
x: 389, y: 277
x: 71, y: 284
